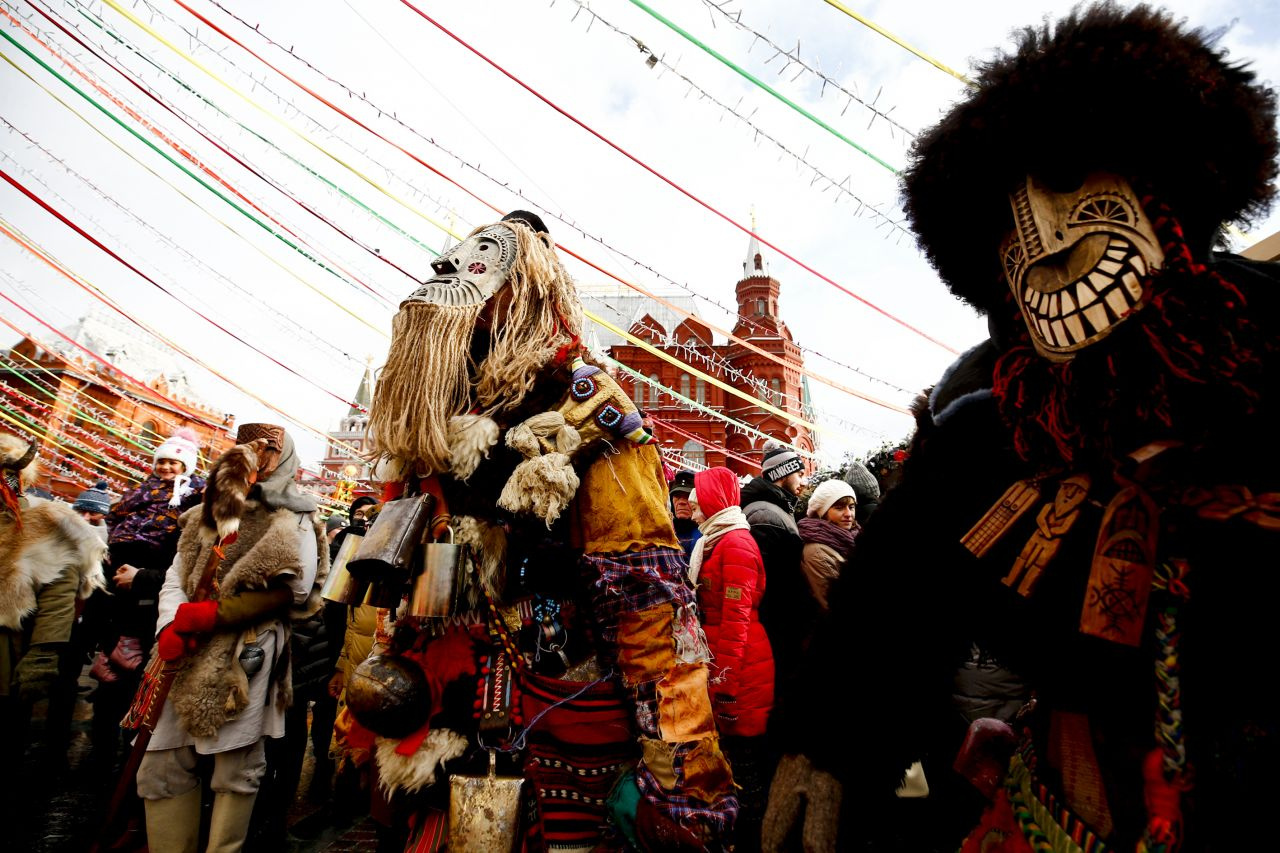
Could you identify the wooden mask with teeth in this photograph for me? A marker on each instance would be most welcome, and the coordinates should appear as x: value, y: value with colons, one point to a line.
x: 1078, y: 260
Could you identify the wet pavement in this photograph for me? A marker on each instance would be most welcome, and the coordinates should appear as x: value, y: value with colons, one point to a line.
x: 63, y: 801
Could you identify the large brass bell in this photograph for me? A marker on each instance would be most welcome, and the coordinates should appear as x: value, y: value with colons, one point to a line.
x: 434, y: 588
x: 341, y: 586
x: 389, y: 695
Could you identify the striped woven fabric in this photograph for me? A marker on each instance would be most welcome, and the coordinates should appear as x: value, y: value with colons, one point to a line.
x: 576, y: 752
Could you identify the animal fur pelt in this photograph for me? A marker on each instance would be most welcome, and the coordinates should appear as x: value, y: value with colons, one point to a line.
x: 228, y: 488
x: 210, y: 686
x: 52, y: 539
x: 488, y: 542
x: 417, y: 771
x: 470, y: 438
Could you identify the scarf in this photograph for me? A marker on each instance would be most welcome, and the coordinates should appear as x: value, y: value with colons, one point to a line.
x: 830, y: 534
x: 729, y: 518
x: 278, y: 490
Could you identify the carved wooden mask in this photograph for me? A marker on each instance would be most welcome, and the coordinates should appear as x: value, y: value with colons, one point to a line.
x: 1077, y: 261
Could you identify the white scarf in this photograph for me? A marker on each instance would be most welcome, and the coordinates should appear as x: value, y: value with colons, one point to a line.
x: 729, y: 518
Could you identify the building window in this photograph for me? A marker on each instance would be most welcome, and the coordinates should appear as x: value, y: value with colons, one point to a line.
x: 653, y: 391
x: 701, y: 395
x: 149, y: 432
x: 684, y: 384
x: 637, y: 392
x: 695, y: 453
x: 775, y: 392
x: 759, y: 307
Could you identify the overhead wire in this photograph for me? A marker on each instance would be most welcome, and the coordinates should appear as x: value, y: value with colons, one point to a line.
x: 625, y: 336
x: 649, y: 10
x: 383, y: 111
x: 696, y: 199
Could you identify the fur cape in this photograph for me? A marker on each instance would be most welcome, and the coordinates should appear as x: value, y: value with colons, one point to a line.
x: 1137, y: 93
x: 53, y: 539
x: 211, y: 687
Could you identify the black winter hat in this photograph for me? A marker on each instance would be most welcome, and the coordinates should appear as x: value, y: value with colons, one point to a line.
x: 682, y: 484
x: 1127, y: 91
x: 96, y: 499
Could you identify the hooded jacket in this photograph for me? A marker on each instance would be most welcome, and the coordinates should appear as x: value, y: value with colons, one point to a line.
x: 730, y: 588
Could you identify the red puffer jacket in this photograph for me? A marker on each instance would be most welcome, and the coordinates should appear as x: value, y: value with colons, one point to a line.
x: 730, y: 586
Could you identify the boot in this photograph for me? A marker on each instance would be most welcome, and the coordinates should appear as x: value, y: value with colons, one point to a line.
x: 173, y: 824
x: 229, y: 824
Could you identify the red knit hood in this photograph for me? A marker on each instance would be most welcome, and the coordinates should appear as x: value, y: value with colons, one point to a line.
x: 717, y: 488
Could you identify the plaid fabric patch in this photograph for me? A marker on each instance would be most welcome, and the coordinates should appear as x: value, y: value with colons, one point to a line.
x: 635, y: 580
x: 707, y: 820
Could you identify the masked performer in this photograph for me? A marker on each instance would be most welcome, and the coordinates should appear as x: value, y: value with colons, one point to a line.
x: 1088, y: 616
x: 568, y: 648
x: 250, y: 560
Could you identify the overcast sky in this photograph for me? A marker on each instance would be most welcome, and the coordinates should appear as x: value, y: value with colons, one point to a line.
x: 322, y: 309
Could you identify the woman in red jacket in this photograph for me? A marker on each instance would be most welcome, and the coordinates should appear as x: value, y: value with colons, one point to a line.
x: 729, y: 575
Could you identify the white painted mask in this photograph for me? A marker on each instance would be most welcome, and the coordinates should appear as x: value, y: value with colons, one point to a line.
x: 469, y: 272
x: 1077, y: 261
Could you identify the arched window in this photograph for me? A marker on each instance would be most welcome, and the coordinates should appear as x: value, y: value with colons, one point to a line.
x: 694, y: 452
x: 759, y: 307
x: 775, y: 395
x: 701, y: 395
x: 684, y: 384
x: 653, y: 391
x: 637, y: 392
x: 150, y: 433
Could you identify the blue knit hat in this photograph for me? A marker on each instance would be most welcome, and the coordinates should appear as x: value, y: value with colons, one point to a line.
x: 97, y: 499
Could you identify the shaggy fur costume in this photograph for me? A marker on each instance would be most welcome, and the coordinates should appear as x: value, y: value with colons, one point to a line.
x: 1106, y: 89
x: 211, y: 687
x: 52, y: 540
x: 417, y: 771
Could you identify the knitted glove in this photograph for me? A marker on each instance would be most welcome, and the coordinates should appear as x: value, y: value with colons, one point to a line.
x: 195, y: 617
x: 37, y: 672
x: 171, y: 645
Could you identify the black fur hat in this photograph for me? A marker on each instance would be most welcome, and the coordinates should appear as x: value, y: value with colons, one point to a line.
x: 1132, y: 92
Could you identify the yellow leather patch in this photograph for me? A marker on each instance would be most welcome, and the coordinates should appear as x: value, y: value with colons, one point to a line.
x: 732, y: 593
x: 646, y: 644
x: 707, y: 775
x: 684, y: 706
x: 659, y: 758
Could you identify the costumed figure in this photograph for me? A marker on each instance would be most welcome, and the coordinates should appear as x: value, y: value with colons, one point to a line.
x: 50, y: 562
x: 1107, y: 567
x: 549, y: 637
x: 250, y: 560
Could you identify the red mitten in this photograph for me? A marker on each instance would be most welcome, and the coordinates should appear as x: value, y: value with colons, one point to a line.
x: 171, y: 644
x: 195, y: 617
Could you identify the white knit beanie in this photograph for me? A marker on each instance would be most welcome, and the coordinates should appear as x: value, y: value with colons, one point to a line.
x: 826, y: 494
x: 182, y: 446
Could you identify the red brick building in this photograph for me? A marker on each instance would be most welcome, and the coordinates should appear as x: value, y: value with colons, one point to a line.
x: 91, y: 421
x: 683, y: 426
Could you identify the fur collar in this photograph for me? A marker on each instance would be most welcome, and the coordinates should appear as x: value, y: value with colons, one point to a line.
x: 52, y: 540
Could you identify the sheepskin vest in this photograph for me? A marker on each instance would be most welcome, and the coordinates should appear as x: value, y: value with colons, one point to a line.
x: 211, y: 687
x: 53, y: 539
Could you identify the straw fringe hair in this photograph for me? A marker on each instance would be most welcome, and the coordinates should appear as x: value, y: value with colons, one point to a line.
x: 427, y: 377
x: 425, y: 382
x: 543, y: 315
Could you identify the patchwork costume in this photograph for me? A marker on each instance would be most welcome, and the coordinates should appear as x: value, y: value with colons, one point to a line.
x: 1073, y: 641
x: 565, y: 648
